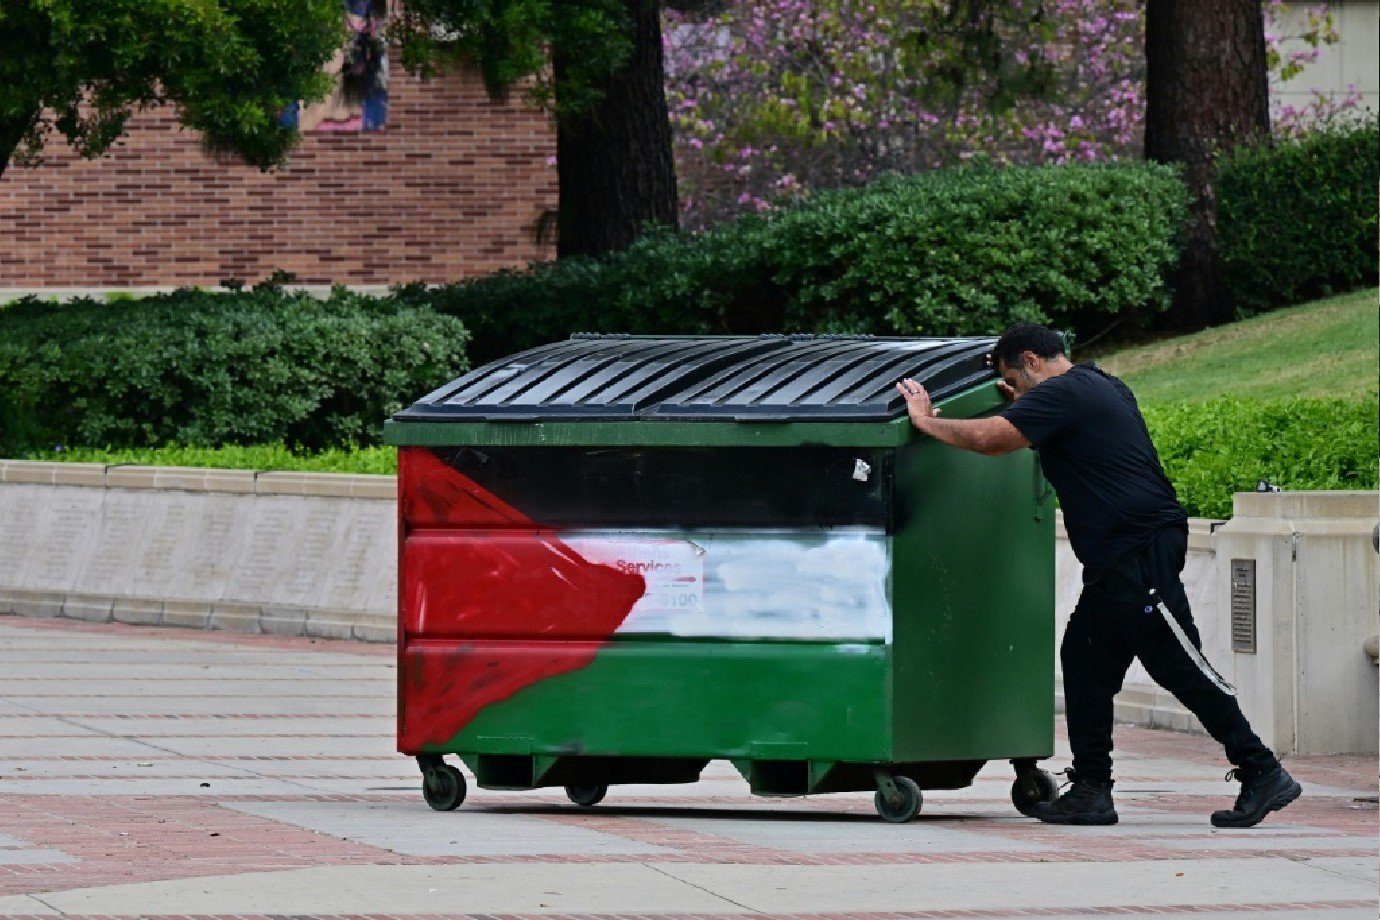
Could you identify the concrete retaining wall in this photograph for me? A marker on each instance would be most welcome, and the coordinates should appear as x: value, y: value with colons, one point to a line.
x: 284, y: 553
x: 1309, y: 682
x: 315, y: 554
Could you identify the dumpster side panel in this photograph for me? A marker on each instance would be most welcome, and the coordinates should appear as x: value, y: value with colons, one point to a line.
x: 659, y: 698
x: 530, y: 584
x: 519, y: 637
x: 974, y: 606
x: 489, y: 613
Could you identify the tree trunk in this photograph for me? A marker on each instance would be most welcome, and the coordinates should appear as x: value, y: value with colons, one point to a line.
x: 1206, y: 92
x: 614, y: 160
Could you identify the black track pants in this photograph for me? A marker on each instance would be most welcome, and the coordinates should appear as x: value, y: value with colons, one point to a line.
x: 1113, y: 624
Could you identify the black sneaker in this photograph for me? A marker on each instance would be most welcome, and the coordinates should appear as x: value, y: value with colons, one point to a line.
x: 1261, y: 793
x: 1085, y: 803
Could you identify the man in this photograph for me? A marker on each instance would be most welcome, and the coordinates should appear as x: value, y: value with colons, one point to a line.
x: 1128, y: 530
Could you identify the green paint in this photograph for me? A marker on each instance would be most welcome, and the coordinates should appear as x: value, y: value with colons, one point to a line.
x: 971, y: 403
x: 694, y: 699
x: 973, y: 600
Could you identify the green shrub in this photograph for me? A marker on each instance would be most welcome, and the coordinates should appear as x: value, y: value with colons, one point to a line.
x: 378, y: 460
x: 953, y: 252
x: 1213, y: 449
x: 211, y: 369
x: 1298, y: 220
x: 970, y: 251
x: 666, y: 283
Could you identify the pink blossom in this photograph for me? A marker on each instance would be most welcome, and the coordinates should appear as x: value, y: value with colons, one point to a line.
x: 774, y: 98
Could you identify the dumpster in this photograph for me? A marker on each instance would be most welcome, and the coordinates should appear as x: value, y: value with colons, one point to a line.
x: 622, y: 557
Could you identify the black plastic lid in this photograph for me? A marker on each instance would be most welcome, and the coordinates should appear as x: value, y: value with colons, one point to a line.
x: 757, y: 378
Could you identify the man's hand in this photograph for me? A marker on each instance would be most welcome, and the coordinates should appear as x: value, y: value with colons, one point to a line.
x: 989, y: 360
x: 992, y: 436
x: 918, y: 404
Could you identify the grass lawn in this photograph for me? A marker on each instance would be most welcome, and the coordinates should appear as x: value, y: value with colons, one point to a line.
x: 1326, y: 348
x: 375, y: 460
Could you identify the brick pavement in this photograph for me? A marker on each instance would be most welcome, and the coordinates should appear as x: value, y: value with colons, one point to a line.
x: 156, y: 772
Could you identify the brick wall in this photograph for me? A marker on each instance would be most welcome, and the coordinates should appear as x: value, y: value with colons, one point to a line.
x: 454, y: 186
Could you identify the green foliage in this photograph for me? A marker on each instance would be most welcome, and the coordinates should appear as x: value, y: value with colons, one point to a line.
x: 213, y: 369
x: 774, y: 100
x: 1213, y: 449
x: 512, y: 41
x: 371, y: 460
x: 971, y: 250
x: 82, y: 67
x: 953, y: 252
x: 1298, y: 220
x: 665, y: 283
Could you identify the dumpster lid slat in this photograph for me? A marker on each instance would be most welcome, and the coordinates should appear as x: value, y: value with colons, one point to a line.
x: 845, y: 375
x: 946, y: 364
x: 768, y: 377
x: 598, y: 377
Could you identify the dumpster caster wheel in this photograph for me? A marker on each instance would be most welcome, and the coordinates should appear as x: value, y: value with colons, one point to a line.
x: 587, y: 795
x: 905, y: 806
x: 443, y: 787
x: 1031, y: 788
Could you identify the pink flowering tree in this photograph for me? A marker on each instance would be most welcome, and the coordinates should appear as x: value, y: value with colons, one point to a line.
x: 770, y: 99
x: 1294, y: 38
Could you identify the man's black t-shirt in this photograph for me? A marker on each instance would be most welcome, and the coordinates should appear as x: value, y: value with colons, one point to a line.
x: 1096, y: 452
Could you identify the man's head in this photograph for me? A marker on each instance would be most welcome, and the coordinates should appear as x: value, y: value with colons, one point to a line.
x: 1026, y: 355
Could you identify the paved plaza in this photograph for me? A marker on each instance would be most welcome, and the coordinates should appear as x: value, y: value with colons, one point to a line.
x: 160, y: 772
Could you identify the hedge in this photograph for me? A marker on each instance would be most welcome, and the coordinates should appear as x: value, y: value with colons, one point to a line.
x: 378, y: 460
x: 951, y: 252
x: 1212, y: 449
x: 1209, y: 449
x: 1297, y: 219
x: 204, y: 368
x: 970, y: 251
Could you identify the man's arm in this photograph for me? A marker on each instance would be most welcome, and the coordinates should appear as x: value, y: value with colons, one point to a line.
x: 991, y: 436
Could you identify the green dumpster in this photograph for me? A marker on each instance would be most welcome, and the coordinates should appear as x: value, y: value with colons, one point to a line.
x: 622, y: 557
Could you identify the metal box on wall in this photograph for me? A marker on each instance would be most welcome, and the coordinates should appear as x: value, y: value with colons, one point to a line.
x: 622, y: 557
